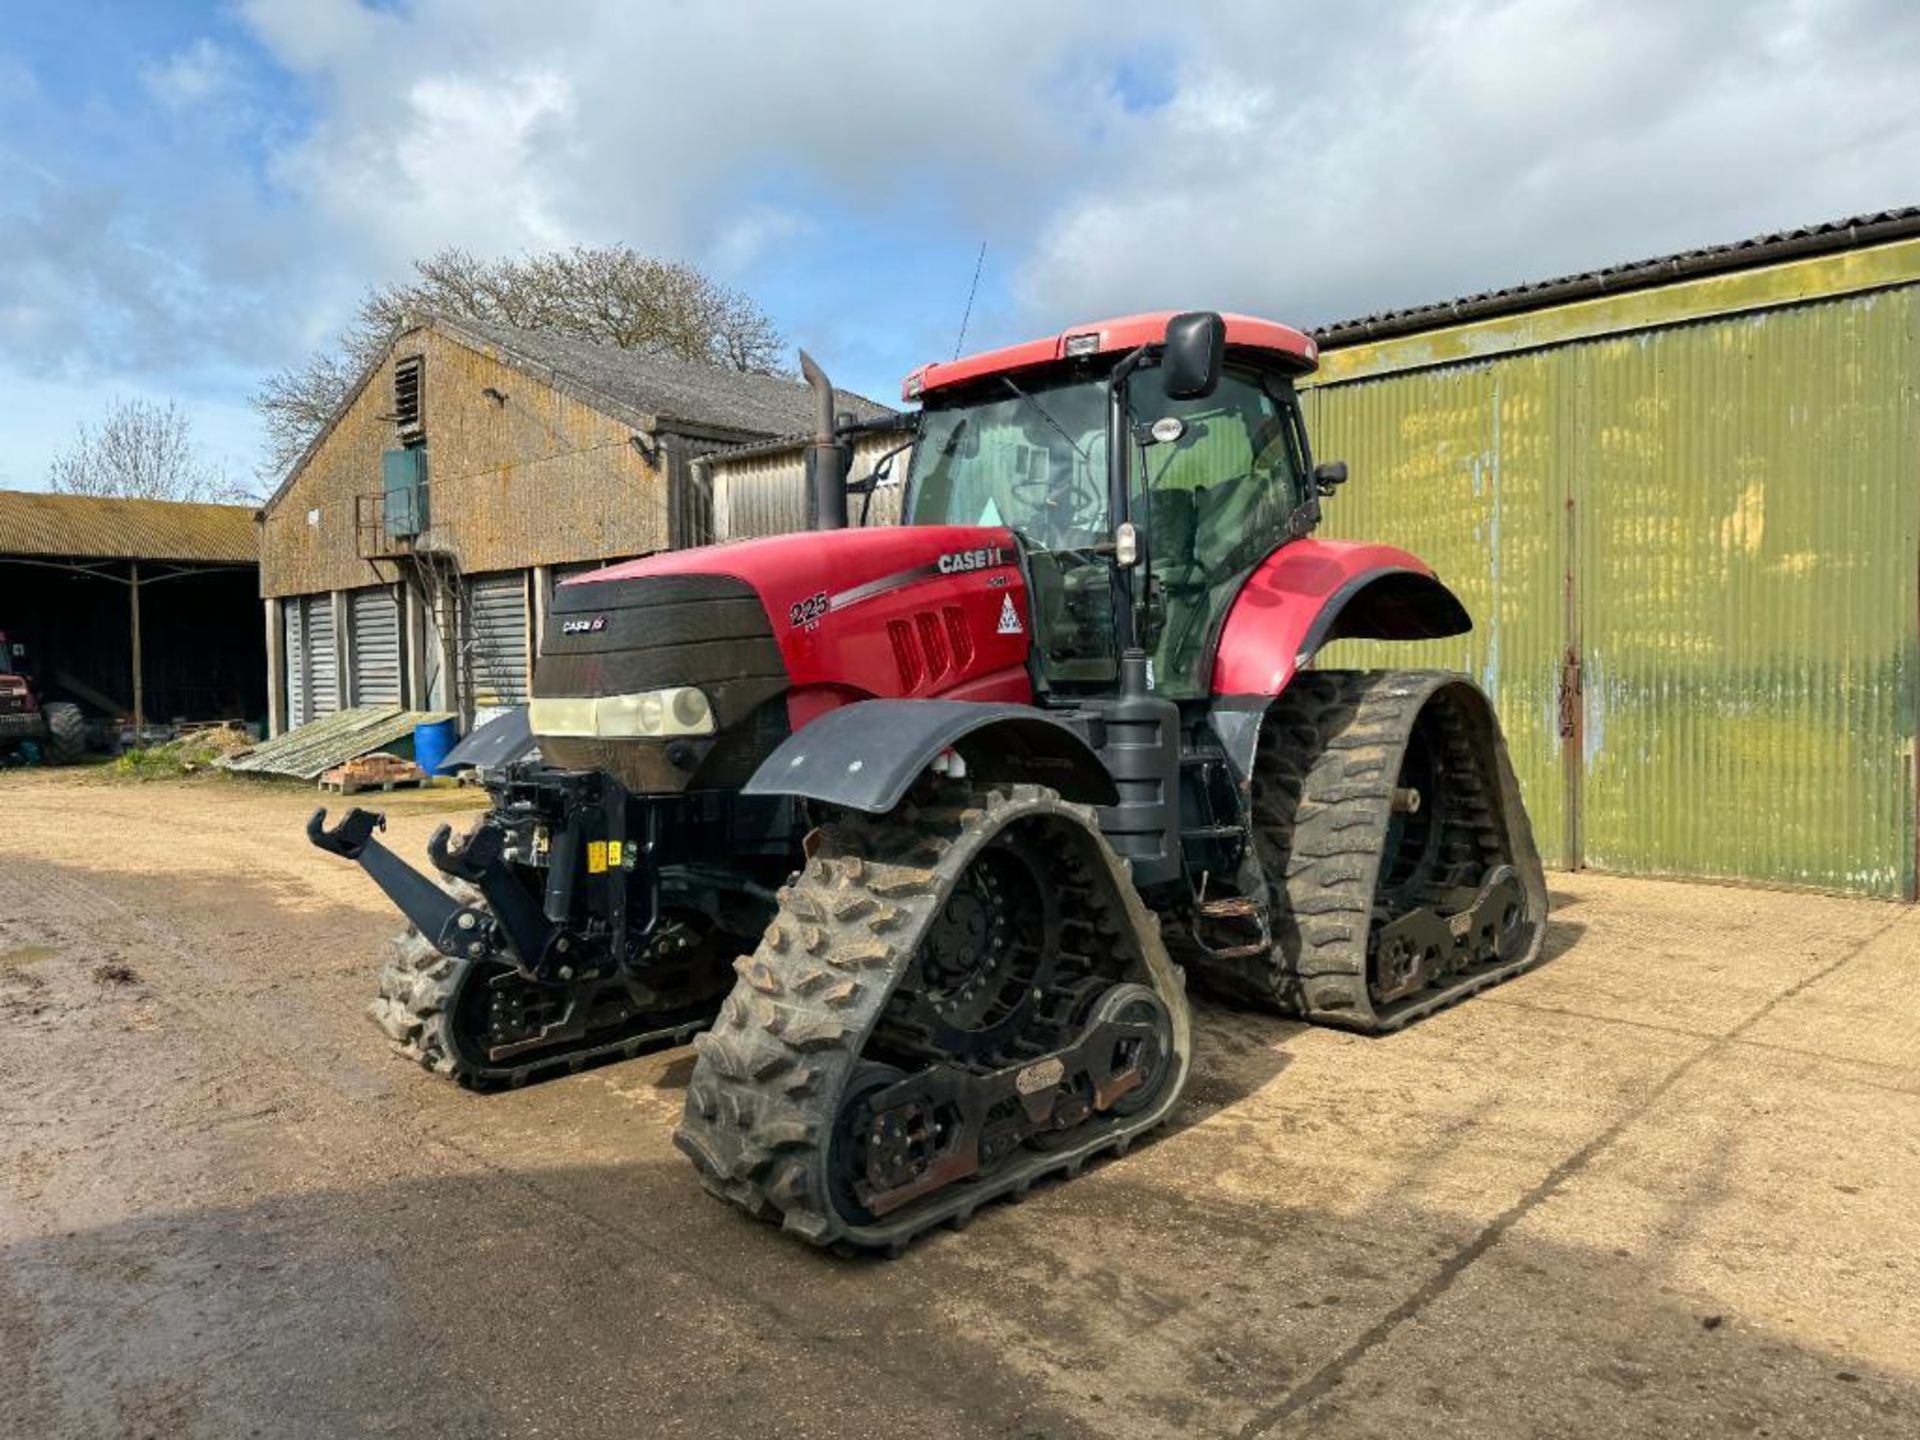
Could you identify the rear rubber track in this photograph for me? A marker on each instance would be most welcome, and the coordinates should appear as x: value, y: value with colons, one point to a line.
x: 764, y: 1095
x: 1328, y: 760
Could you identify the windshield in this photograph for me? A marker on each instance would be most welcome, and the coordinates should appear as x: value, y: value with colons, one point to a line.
x: 1214, y: 484
x: 1032, y: 458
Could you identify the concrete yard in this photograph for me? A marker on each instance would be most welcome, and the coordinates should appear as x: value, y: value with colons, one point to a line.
x: 1667, y: 1185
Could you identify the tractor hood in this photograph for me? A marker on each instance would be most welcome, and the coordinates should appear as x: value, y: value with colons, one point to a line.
x: 774, y: 632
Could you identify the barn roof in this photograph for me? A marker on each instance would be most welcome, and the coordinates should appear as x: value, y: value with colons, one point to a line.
x: 94, y: 527
x: 1824, y: 239
x: 664, y: 388
x: 647, y: 391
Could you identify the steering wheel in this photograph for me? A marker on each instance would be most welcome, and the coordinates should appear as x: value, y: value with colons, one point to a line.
x: 1073, y: 507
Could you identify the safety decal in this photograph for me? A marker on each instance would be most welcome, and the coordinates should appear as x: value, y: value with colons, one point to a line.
x: 1009, y: 618
x: 596, y: 857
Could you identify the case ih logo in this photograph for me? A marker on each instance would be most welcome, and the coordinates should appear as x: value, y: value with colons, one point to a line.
x: 959, y: 562
x: 583, y: 626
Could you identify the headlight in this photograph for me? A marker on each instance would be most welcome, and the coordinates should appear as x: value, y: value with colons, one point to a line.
x: 679, y: 710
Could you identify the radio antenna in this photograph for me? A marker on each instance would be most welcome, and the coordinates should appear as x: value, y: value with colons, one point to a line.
x: 972, y: 290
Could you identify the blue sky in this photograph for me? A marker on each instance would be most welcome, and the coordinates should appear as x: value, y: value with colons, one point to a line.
x: 193, y: 194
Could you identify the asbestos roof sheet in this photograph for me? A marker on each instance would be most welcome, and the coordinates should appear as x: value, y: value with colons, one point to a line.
x: 94, y: 527
x: 313, y: 749
x: 1851, y: 233
x: 665, y: 387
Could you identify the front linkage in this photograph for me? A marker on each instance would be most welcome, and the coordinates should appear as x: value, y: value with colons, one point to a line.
x: 565, y: 932
x: 532, y: 929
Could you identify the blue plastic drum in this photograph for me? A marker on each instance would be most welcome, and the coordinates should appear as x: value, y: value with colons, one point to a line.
x: 431, y: 743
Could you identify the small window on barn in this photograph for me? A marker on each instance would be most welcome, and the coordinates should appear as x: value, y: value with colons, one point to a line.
x: 409, y: 398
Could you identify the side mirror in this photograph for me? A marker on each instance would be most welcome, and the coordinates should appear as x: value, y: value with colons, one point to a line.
x: 1329, y: 476
x: 1196, y: 344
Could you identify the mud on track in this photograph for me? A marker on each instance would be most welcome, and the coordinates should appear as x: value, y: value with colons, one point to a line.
x: 1668, y: 1184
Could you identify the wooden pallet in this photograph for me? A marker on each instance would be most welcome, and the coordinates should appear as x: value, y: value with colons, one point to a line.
x: 354, y: 787
x: 378, y: 771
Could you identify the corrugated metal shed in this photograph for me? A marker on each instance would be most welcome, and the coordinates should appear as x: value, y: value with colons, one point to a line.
x: 99, y: 528
x: 761, y: 489
x: 309, y: 751
x: 1687, y: 523
x: 1826, y: 238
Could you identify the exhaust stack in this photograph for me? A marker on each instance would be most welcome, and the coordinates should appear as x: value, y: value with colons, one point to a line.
x: 829, y: 459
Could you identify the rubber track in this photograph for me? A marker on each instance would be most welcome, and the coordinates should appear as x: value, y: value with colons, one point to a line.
x: 763, y: 1097
x: 1328, y: 759
x: 414, y: 1009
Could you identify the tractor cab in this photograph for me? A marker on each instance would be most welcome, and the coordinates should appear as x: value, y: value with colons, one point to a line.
x: 1144, y: 486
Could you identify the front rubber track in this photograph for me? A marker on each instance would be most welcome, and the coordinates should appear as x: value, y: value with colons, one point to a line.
x: 419, y: 993
x: 773, y: 1071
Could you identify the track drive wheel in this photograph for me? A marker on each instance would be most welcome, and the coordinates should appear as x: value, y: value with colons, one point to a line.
x: 444, y: 1012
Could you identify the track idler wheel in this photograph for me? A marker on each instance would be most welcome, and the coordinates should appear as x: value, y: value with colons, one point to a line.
x: 953, y: 1002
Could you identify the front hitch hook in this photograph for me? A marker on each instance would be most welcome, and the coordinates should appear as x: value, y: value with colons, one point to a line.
x: 432, y: 910
x: 480, y: 860
x: 468, y: 861
x: 350, y: 836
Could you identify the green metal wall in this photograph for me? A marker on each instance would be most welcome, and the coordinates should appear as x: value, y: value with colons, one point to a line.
x: 1739, y: 499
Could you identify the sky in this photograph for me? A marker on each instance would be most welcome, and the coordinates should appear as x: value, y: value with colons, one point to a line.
x: 195, y: 193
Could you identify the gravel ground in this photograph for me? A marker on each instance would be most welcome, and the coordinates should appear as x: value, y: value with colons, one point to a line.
x: 1668, y: 1185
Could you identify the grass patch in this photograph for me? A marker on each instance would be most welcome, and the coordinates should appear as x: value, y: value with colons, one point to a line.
x: 188, y: 755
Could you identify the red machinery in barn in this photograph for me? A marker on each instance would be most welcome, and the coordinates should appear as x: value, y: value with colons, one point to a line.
x: 49, y: 730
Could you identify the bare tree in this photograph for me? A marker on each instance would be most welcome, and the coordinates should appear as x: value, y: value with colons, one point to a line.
x: 612, y: 295
x: 141, y: 451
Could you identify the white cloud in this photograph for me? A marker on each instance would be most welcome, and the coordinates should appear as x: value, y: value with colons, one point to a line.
x: 192, y: 77
x: 1308, y: 161
x: 1474, y: 145
x: 1303, y: 160
x: 459, y: 159
x: 682, y: 118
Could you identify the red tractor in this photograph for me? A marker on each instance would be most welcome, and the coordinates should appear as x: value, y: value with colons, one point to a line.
x: 51, y: 731
x: 929, y: 822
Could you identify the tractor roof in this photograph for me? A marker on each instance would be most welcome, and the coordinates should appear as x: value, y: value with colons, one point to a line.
x: 1101, y: 337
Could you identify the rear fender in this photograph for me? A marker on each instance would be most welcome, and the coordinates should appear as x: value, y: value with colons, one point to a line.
x: 1305, y: 595
x: 1313, y: 591
x: 865, y: 756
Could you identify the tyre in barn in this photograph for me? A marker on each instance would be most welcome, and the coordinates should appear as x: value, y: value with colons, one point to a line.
x: 66, y: 738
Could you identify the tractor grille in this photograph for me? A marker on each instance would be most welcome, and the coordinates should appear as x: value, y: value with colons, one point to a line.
x: 620, y: 637
x: 930, y: 646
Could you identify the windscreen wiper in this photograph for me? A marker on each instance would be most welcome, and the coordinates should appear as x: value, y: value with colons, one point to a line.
x: 1007, y: 380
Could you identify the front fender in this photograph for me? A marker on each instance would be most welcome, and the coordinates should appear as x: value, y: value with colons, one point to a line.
x: 864, y: 756
x: 1311, y: 592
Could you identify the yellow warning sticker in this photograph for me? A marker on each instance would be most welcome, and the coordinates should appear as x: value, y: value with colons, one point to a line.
x: 613, y: 854
x: 596, y: 857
